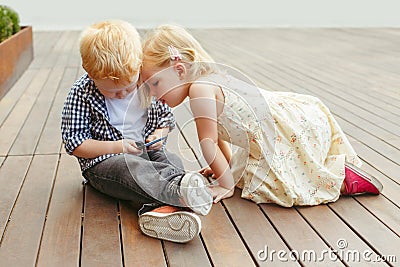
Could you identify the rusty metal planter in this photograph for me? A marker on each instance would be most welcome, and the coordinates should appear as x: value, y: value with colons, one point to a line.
x: 16, y: 53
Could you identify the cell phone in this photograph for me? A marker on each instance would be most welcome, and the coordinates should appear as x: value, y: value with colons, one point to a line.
x: 152, y: 142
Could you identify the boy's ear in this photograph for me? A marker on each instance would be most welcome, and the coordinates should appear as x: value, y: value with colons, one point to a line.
x: 180, y: 68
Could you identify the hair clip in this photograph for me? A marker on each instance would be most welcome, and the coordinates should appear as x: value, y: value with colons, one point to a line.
x: 174, y: 53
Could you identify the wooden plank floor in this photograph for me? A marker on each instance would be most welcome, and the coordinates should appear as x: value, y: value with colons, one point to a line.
x: 47, y: 218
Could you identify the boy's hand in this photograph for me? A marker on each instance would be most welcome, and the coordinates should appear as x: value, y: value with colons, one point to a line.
x: 158, y: 133
x: 129, y: 147
x: 154, y: 146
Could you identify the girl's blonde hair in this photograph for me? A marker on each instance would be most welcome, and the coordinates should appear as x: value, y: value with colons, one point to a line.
x: 112, y: 50
x: 156, y: 52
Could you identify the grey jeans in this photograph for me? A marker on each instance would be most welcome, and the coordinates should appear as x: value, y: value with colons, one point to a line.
x: 152, y: 178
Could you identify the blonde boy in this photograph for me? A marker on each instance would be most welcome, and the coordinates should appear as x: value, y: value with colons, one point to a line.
x: 106, y: 116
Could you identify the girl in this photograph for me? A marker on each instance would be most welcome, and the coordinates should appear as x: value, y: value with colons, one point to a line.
x: 291, y: 149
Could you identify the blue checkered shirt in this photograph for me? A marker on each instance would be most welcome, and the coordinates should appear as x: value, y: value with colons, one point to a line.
x: 85, y: 116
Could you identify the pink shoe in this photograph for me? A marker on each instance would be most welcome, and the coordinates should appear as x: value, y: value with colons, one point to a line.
x: 358, y: 182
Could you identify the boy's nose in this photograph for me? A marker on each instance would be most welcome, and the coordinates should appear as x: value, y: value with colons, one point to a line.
x: 121, y: 94
x: 152, y: 92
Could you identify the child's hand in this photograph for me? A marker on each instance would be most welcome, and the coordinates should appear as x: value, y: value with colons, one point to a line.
x: 155, y: 146
x: 129, y: 147
x: 218, y: 192
x: 207, y: 172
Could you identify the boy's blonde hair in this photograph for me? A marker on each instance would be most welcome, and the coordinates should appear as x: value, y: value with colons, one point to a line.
x: 112, y: 50
x: 156, y: 53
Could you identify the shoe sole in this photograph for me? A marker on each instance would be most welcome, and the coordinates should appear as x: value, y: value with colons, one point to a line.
x: 180, y: 226
x: 195, y: 194
x: 365, y: 176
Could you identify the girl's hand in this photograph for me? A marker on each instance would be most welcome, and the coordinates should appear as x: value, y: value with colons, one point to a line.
x: 207, y: 172
x: 218, y: 192
x: 129, y: 147
x: 155, y: 146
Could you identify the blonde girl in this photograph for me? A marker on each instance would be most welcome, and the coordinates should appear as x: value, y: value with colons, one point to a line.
x: 291, y: 151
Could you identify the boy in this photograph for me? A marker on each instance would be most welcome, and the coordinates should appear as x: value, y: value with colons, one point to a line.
x: 107, y: 145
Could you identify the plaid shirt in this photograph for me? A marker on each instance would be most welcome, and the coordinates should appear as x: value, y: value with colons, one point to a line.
x: 85, y: 117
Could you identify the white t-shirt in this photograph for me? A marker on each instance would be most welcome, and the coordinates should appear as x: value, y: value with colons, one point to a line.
x: 127, y: 116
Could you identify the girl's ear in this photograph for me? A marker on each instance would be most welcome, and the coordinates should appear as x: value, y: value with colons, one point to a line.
x: 180, y: 69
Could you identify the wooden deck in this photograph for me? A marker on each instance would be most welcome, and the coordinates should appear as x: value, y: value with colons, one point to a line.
x: 47, y: 218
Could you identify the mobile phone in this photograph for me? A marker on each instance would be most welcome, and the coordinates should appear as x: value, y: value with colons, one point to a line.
x: 152, y: 142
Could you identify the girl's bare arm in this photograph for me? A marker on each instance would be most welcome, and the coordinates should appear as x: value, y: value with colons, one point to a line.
x: 204, y: 107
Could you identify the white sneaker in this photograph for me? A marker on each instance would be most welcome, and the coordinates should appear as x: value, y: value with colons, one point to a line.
x: 195, y: 194
x: 177, y: 226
